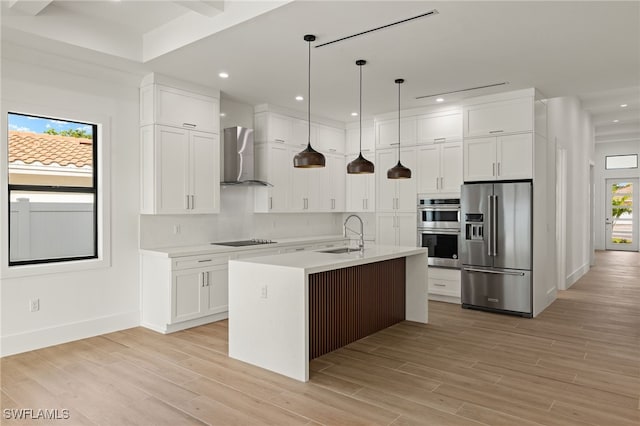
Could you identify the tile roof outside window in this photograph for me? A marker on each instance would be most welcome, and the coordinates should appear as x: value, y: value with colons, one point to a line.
x: 29, y: 148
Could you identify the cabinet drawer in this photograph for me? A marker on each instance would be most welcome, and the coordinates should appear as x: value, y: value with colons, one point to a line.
x: 199, y: 261
x: 444, y: 287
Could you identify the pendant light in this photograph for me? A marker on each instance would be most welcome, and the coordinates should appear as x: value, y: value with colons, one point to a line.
x: 360, y: 165
x: 309, y: 158
x: 399, y: 171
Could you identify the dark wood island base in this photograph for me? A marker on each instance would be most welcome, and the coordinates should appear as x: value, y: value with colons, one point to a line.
x: 351, y: 303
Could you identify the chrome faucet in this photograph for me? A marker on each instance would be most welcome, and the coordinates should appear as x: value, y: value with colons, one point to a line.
x: 361, y: 233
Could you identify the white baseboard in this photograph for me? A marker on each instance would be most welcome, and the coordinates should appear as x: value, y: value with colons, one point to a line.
x: 576, y: 275
x: 170, y: 328
x: 37, y: 339
x: 445, y: 298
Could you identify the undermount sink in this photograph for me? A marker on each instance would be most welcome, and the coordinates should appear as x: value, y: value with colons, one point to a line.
x: 340, y: 250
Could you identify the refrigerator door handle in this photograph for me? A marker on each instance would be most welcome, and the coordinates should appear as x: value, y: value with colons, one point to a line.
x: 494, y: 226
x: 519, y: 274
x: 490, y: 226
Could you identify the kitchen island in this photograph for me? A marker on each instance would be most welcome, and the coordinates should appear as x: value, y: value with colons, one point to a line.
x: 287, y: 309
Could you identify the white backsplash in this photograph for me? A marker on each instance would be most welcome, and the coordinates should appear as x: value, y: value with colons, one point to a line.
x: 236, y: 221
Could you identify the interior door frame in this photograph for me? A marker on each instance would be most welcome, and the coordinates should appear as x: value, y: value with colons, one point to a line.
x: 634, y: 230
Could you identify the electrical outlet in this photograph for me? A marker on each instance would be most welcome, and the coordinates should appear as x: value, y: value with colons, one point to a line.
x: 263, y: 292
x: 34, y: 305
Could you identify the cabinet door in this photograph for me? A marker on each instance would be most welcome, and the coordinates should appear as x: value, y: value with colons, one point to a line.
x: 186, y: 294
x: 515, y: 156
x: 330, y: 139
x: 333, y: 184
x: 407, y: 198
x: 280, y: 128
x: 216, y: 298
x: 181, y: 108
x: 406, y: 228
x: 299, y: 189
x: 385, y: 188
x: 204, y: 172
x: 370, y: 192
x: 313, y: 191
x: 493, y: 118
x: 387, y: 132
x: 172, y: 162
x: 480, y: 159
x: 280, y: 169
x: 386, y: 233
x: 451, y: 167
x: 431, y: 129
x: 428, y: 172
x: 357, y: 187
x: 353, y: 140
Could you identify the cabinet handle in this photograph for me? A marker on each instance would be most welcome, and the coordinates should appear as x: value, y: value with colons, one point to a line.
x: 439, y: 285
x: 496, y: 131
x: 205, y: 260
x: 332, y: 149
x: 437, y: 183
x: 493, y: 173
x: 193, y: 202
x: 208, y: 279
x: 439, y: 139
x: 394, y: 144
x: 499, y: 168
x: 441, y: 183
x: 270, y: 203
x: 300, y: 249
x: 279, y: 141
x: 366, y: 203
x: 363, y: 204
x: 188, y: 204
x: 189, y: 125
x: 202, y: 275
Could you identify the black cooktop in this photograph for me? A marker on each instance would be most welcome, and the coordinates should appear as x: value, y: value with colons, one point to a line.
x: 242, y: 243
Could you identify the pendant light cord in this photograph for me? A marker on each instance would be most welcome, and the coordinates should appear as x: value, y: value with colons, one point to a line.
x: 309, y: 97
x: 399, y: 123
x: 360, y: 109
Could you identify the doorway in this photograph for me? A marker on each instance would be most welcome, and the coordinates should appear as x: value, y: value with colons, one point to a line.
x: 621, y: 223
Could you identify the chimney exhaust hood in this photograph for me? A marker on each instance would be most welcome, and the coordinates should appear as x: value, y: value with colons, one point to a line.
x: 238, y: 158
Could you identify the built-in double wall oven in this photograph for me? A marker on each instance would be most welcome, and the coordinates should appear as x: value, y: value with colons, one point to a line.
x: 439, y: 229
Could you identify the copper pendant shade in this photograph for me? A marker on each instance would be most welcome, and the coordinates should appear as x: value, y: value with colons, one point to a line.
x: 309, y: 157
x: 399, y: 171
x: 360, y: 165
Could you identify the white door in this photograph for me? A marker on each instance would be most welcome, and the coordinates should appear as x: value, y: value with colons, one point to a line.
x: 386, y: 233
x: 172, y: 146
x: 385, y: 188
x: 480, y: 159
x: 621, y: 223
x: 205, y: 172
x: 451, y: 167
x: 428, y: 173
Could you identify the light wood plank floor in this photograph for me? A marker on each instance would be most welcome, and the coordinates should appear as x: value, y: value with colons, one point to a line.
x: 577, y: 363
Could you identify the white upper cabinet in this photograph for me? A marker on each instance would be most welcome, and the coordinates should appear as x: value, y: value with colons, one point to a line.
x: 180, y: 171
x: 495, y: 118
x: 332, y: 184
x: 353, y: 140
x: 330, y: 139
x: 395, y: 195
x: 273, y: 164
x: 499, y: 158
x: 302, y: 132
x: 387, y: 132
x: 272, y: 127
x: 440, y: 168
x: 161, y: 104
x: 439, y: 128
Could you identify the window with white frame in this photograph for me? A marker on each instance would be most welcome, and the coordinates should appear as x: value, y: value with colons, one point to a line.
x: 614, y: 162
x: 52, y: 188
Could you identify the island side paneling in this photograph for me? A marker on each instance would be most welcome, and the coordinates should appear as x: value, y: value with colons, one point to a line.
x: 350, y: 303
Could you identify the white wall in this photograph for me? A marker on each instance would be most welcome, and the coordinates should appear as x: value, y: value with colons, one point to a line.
x: 570, y: 127
x: 601, y: 151
x: 89, y: 302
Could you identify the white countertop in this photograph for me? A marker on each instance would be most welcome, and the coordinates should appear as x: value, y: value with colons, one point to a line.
x: 317, y: 261
x: 204, y: 249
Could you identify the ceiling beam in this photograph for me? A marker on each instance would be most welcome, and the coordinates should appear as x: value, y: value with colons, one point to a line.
x: 208, y: 8
x: 30, y: 7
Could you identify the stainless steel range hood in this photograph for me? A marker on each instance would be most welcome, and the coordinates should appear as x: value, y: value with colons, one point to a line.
x: 238, y: 157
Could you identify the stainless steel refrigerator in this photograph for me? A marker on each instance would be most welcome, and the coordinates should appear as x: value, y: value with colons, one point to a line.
x: 496, y: 249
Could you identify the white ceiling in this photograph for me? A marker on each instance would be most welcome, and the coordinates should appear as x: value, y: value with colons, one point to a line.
x: 587, y: 49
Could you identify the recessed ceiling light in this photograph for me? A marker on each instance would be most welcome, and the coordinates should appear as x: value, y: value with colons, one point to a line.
x: 615, y: 121
x: 222, y: 114
x: 354, y: 114
x: 623, y: 105
x: 440, y: 100
x: 299, y: 98
x: 223, y: 75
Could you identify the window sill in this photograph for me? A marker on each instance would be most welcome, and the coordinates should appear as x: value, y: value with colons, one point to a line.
x: 19, y: 271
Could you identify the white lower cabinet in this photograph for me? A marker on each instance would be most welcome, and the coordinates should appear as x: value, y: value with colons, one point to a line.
x: 183, y: 292
x: 332, y: 184
x: 444, y: 284
x: 396, y: 229
x: 361, y: 189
